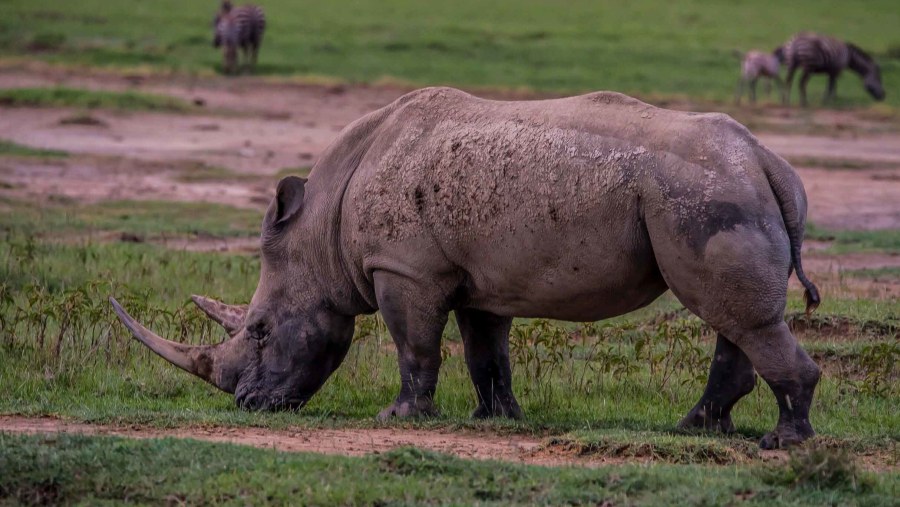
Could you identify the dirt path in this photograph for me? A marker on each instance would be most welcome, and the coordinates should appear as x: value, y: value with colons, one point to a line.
x: 91, y: 179
x: 871, y: 148
x: 859, y: 199
x: 346, y: 442
x: 361, y: 442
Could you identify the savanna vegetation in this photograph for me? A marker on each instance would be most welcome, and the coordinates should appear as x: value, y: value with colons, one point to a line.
x: 648, y: 48
x: 612, y: 389
x: 72, y: 469
x: 90, y: 99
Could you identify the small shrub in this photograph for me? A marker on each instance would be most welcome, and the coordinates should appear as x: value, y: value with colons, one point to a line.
x: 877, y: 361
x: 18, y: 150
x: 47, y: 41
x: 893, y: 51
x: 83, y: 119
x: 413, y: 461
x: 817, y: 468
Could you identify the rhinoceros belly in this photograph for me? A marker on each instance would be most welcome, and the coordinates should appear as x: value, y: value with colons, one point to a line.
x: 579, y: 272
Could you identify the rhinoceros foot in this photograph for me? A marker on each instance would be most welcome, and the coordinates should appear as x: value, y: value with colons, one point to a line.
x: 411, y: 409
x: 700, y: 419
x: 499, y: 408
x: 785, y: 436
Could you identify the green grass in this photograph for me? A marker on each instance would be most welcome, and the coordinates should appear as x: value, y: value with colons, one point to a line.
x: 647, y: 48
x: 199, y: 172
x: 876, y: 273
x: 11, y: 149
x: 91, y: 470
x: 840, y: 163
x: 848, y: 241
x: 139, y: 218
x: 91, y: 99
x: 590, y: 388
x: 86, y: 366
x: 689, y: 448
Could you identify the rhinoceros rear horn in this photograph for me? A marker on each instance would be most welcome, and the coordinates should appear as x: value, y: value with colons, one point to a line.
x: 231, y: 317
x: 220, y: 365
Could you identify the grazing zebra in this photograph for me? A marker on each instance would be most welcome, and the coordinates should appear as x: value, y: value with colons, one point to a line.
x: 239, y: 28
x: 820, y: 54
x: 757, y: 64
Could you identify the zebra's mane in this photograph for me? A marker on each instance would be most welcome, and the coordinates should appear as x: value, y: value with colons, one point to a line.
x: 856, y: 49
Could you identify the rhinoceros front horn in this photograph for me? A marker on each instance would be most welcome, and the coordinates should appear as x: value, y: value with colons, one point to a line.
x: 220, y: 365
x: 231, y: 317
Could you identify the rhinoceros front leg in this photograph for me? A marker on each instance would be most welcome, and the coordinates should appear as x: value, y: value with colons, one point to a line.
x: 416, y: 322
x: 731, y: 377
x: 486, y: 341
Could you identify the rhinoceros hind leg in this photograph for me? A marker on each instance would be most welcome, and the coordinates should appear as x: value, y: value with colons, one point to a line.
x: 416, y: 322
x: 486, y: 341
x: 791, y: 374
x: 731, y: 377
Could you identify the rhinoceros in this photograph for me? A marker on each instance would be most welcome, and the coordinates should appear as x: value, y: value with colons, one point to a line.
x: 577, y: 209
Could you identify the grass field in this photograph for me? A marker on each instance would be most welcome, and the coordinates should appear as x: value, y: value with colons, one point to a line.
x: 42, y: 470
x: 64, y: 353
x: 613, y: 389
x: 90, y: 99
x: 10, y: 149
x: 610, y: 391
x: 648, y: 48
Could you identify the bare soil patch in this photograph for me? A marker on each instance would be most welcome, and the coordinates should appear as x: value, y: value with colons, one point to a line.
x: 273, y: 126
x: 89, y: 179
x: 866, y: 199
x: 869, y: 148
x: 346, y: 442
x: 360, y: 442
x: 837, y: 275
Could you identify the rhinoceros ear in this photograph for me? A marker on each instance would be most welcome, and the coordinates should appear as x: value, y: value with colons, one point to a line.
x: 288, y: 200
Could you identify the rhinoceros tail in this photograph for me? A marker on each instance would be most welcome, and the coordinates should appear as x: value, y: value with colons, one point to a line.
x: 791, y: 196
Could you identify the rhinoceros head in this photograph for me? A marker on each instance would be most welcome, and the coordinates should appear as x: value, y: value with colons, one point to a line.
x: 286, y: 343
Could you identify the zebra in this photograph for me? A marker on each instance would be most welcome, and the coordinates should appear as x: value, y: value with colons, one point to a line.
x: 820, y: 54
x: 239, y: 28
x: 757, y: 64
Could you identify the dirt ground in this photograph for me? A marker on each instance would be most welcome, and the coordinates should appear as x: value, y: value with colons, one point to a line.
x: 255, y: 129
x: 252, y: 127
x: 360, y: 442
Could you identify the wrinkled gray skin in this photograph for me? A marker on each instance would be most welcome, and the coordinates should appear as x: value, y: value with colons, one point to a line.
x: 577, y: 209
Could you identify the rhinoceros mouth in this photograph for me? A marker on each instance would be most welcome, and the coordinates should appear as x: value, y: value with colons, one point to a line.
x: 261, y: 402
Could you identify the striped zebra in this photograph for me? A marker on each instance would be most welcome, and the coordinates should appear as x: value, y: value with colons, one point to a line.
x: 820, y: 54
x: 239, y: 28
x: 755, y: 65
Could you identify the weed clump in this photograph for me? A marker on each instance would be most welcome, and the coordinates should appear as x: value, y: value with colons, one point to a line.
x: 83, y: 119
x: 414, y: 461
x: 652, y: 447
x: 8, y: 148
x: 818, y: 468
x: 47, y: 41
